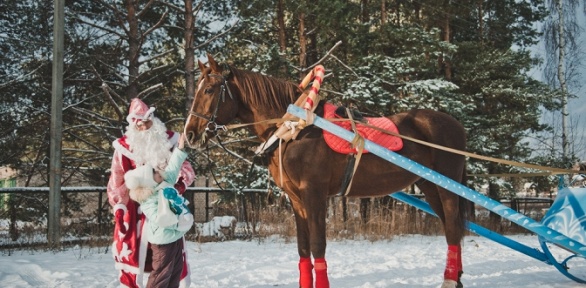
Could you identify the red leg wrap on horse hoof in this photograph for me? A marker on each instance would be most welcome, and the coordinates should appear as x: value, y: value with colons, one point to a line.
x: 321, y: 273
x: 453, y: 263
x: 305, y: 273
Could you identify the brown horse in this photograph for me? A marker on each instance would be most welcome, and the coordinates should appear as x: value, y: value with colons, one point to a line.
x: 311, y: 171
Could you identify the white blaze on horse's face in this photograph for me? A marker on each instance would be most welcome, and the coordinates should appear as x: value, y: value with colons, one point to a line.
x: 189, y: 128
x: 198, y: 88
x: 194, y: 98
x: 202, y: 140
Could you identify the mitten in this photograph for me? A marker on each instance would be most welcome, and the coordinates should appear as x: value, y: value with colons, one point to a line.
x: 180, y: 186
x: 185, y: 222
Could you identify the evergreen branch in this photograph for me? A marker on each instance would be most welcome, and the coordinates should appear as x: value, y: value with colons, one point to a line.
x: 144, y: 93
x: 145, y: 8
x: 157, y: 56
x: 322, y: 59
x: 174, y: 7
x: 119, y: 16
x: 216, y: 37
x: 156, y: 26
x: 107, y: 91
x: 21, y: 78
x: 344, y: 65
x: 102, y: 28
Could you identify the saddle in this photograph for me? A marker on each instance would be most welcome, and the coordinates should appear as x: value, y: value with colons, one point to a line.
x: 383, y: 139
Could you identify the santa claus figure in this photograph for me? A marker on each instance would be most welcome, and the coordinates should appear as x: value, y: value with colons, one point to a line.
x: 146, y: 142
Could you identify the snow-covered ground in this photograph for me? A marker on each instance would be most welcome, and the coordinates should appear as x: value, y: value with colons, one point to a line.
x: 405, y: 261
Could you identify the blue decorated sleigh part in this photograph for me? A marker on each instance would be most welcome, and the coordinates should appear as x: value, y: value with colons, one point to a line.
x: 563, y: 227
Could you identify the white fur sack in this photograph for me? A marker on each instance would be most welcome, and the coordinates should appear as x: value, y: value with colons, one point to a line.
x: 141, y: 176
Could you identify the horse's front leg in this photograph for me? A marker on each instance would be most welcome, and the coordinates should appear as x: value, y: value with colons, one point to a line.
x: 303, y: 247
x: 310, y: 218
x: 316, y: 207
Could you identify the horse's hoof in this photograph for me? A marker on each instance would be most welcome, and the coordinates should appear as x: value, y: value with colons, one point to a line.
x: 449, y: 284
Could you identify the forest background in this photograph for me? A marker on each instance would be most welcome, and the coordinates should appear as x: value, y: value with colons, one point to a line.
x: 467, y: 58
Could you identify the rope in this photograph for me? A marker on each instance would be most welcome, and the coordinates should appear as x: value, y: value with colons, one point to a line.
x: 553, y: 171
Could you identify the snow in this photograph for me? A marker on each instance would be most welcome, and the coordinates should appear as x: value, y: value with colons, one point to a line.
x: 404, y: 261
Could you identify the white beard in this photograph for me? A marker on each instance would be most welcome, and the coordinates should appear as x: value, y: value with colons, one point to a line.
x: 150, y: 146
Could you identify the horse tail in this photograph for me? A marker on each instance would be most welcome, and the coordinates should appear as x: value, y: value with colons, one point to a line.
x: 466, y: 211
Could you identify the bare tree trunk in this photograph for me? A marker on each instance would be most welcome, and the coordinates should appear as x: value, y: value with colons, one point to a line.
x: 398, y: 12
x: 133, y: 49
x: 13, y: 230
x: 493, y: 193
x: 364, y: 7
x: 189, y: 70
x: 480, y: 22
x: 447, y: 65
x: 189, y: 53
x: 302, y: 44
x: 281, y: 24
x: 383, y: 13
x: 282, y: 34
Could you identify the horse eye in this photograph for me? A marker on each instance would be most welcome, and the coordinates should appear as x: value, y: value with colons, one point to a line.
x: 209, y: 90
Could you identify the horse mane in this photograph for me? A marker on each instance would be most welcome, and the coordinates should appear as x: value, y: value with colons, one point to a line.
x: 259, y: 90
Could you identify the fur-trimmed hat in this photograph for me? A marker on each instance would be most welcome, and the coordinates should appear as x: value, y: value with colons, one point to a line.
x: 139, y: 111
x: 140, y: 177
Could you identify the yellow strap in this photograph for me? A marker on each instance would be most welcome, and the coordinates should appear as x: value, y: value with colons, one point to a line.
x: 358, y: 144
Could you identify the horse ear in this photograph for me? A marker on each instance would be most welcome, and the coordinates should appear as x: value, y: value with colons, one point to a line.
x: 213, y: 64
x: 222, y: 69
x: 202, y: 66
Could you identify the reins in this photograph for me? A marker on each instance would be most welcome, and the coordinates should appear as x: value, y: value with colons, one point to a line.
x: 317, y: 75
x: 250, y: 170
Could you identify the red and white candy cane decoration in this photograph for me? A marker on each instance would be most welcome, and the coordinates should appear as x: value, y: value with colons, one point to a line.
x: 317, y: 74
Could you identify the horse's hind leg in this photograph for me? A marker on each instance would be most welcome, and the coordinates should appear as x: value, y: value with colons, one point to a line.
x: 447, y: 206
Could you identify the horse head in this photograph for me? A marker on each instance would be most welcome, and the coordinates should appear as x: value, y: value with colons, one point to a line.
x: 213, y: 104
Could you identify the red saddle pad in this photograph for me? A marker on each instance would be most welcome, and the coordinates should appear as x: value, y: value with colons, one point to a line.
x: 340, y: 145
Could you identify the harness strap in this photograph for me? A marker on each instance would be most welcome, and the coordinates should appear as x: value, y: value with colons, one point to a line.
x: 358, y: 144
x: 348, y: 174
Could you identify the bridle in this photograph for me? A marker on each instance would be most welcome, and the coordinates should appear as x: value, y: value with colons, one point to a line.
x: 212, y: 125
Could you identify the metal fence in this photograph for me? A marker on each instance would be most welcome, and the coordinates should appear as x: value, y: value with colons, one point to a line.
x: 95, y: 215
x: 102, y: 198
x: 95, y: 219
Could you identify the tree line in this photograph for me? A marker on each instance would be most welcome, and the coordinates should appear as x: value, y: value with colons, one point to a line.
x: 467, y: 58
